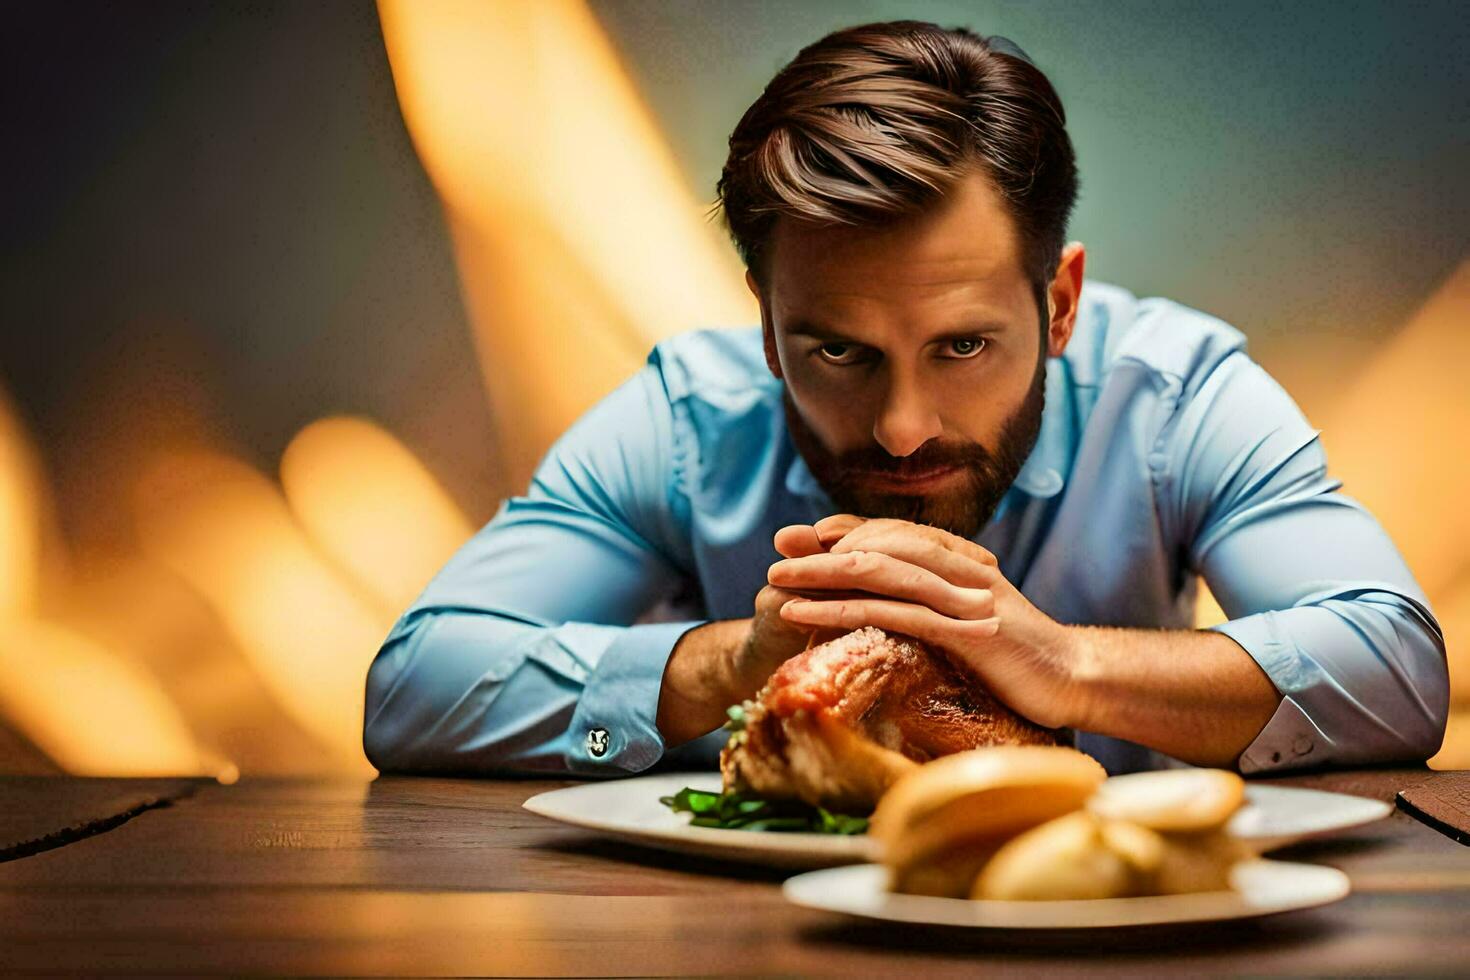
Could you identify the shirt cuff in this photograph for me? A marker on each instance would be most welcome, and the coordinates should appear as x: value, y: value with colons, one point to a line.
x: 614, y: 730
x: 1290, y: 739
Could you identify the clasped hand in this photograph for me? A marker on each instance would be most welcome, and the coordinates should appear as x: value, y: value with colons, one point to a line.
x: 938, y: 588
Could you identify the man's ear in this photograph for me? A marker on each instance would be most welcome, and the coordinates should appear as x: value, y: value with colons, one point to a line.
x: 768, y: 330
x: 1063, y: 297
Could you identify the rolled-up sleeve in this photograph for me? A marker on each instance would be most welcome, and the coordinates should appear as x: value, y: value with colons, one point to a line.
x: 523, y: 654
x: 1316, y: 592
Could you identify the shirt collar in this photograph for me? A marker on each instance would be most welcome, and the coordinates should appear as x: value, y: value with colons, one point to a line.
x: 1043, y: 474
x: 799, y: 479
x: 1046, y: 470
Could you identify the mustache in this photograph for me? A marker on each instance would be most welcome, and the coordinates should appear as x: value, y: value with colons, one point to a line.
x: 876, y: 462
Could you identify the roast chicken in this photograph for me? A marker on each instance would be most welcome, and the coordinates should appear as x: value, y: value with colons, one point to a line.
x: 836, y: 725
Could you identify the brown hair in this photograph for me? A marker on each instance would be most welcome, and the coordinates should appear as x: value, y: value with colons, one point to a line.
x: 879, y: 120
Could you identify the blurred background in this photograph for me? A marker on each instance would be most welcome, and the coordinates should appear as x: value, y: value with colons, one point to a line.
x: 293, y: 295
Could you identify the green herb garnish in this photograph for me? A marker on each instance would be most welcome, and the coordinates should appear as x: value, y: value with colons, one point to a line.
x: 736, y: 714
x: 738, y: 811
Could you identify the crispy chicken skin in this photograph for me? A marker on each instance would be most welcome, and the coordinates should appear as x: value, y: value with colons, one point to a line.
x: 836, y: 725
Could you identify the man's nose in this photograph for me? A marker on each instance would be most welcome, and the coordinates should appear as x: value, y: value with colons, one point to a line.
x: 908, y: 418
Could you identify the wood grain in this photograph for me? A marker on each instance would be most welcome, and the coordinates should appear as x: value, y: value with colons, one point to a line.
x: 448, y: 876
x: 38, y: 813
x: 1443, y: 803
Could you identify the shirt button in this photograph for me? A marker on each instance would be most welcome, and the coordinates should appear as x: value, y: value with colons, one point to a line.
x: 597, y: 742
x: 1302, y: 745
x: 1047, y: 482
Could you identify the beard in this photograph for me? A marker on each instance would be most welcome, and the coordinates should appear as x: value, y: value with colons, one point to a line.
x: 962, y: 509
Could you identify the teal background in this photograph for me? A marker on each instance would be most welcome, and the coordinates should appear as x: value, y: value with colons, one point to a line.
x: 1298, y: 169
x: 225, y: 193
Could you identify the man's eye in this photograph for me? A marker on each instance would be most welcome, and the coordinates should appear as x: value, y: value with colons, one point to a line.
x: 838, y: 353
x: 966, y: 347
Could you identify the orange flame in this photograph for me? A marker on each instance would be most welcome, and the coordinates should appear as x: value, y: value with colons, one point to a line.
x: 226, y: 530
x: 577, y: 240
x: 372, y: 507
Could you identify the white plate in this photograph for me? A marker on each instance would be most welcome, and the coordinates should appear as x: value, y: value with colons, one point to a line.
x: 629, y: 808
x: 1259, y: 888
x: 1275, y: 816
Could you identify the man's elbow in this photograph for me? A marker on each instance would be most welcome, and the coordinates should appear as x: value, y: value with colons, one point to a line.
x: 400, y: 705
x: 1379, y: 689
x: 1420, y: 706
x: 459, y: 694
x: 384, y: 740
x: 1434, y: 691
x: 381, y: 748
x: 384, y: 746
x: 1420, y: 736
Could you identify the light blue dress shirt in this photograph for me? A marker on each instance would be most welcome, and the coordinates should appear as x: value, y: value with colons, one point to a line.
x: 1164, y: 454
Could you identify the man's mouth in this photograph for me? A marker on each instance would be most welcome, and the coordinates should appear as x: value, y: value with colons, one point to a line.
x: 910, y: 481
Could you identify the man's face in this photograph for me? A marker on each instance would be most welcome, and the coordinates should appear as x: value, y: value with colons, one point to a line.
x: 913, y: 358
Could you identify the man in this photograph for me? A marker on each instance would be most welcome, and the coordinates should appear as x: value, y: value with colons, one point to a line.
x: 941, y: 429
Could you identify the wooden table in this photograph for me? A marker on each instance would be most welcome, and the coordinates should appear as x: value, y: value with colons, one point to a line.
x: 451, y: 876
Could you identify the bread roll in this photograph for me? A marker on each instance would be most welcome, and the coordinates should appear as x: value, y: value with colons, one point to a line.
x: 1065, y: 858
x: 1189, y: 800
x: 973, y: 802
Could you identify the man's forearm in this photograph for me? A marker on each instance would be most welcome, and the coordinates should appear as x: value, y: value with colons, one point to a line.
x: 702, y: 679
x: 1193, y: 694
